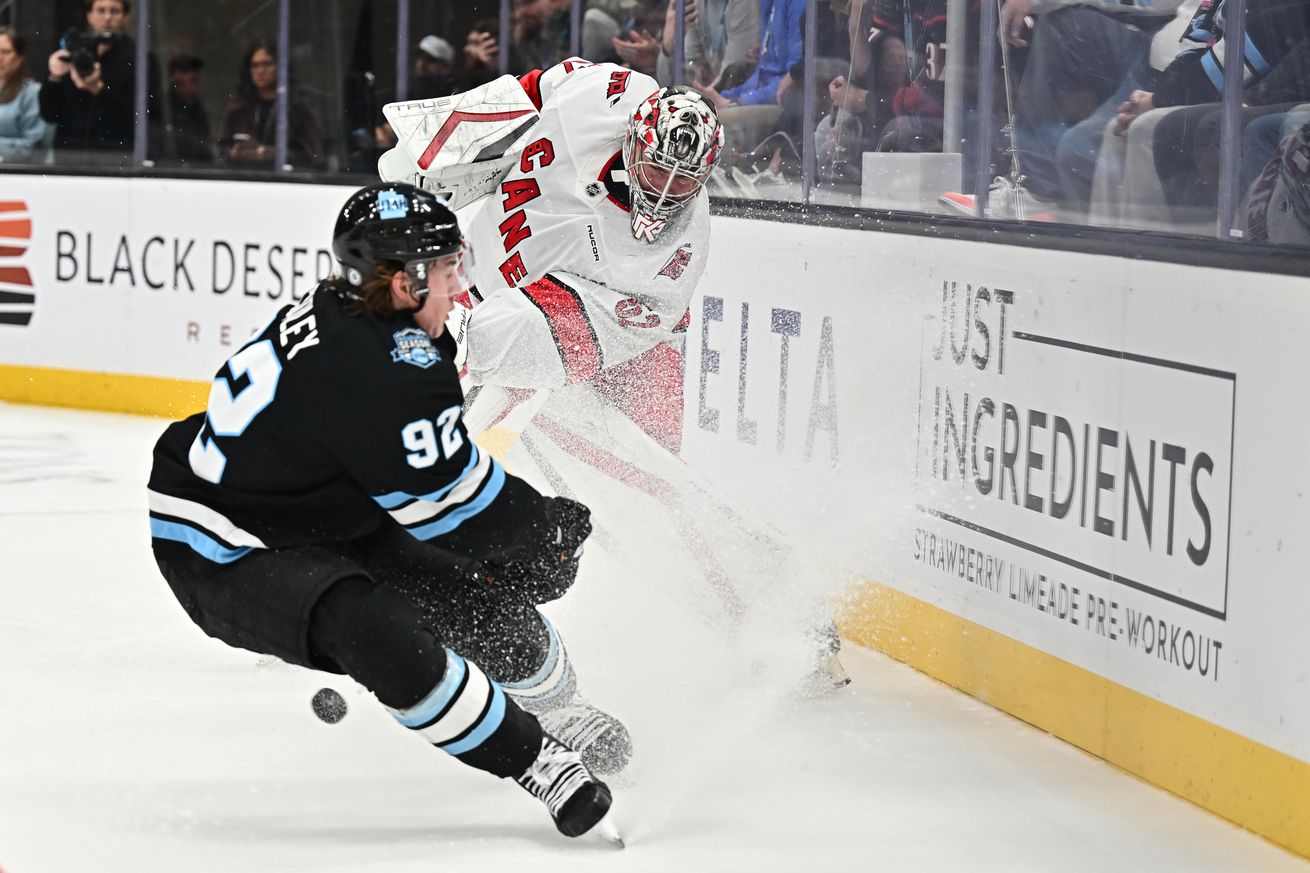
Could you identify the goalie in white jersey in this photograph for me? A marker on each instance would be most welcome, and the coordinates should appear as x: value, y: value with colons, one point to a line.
x: 581, y: 191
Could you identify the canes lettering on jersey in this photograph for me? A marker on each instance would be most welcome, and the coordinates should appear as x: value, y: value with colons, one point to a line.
x: 517, y: 193
x: 563, y: 209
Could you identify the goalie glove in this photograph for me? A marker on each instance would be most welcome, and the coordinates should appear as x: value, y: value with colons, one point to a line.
x: 551, y: 570
x: 460, y: 146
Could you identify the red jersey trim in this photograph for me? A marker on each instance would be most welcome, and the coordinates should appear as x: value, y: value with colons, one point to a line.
x: 531, y: 83
x: 576, y: 340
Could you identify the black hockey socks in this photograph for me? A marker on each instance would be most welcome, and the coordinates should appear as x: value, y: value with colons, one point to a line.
x: 467, y: 715
x: 378, y: 637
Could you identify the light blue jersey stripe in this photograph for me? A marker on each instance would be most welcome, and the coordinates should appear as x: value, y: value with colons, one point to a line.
x: 495, y: 715
x: 399, y: 498
x: 438, y: 698
x: 1210, y: 64
x: 204, y: 545
x: 456, y: 517
x: 1257, y: 61
x: 552, y: 655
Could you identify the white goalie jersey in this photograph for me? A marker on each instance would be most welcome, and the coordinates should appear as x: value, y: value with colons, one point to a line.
x: 563, y: 283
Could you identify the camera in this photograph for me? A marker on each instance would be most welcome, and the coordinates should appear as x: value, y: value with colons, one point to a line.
x: 84, y: 49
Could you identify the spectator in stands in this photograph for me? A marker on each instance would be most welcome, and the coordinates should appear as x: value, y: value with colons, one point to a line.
x: 189, y: 138
x: 434, y: 76
x: 783, y: 48
x: 861, y: 96
x: 1278, y: 203
x: 639, y: 47
x: 750, y: 111
x: 1262, y: 138
x: 1276, y: 58
x: 248, y: 133
x: 434, y: 69
x: 481, y: 55
x: 23, y: 133
x: 540, y: 34
x: 1086, y: 57
x: 911, y: 33
x: 94, y: 108
x: 728, y: 33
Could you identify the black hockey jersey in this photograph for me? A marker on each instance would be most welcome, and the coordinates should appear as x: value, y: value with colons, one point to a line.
x: 318, y: 426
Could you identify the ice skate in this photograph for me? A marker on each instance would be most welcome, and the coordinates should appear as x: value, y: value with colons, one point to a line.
x: 576, y: 799
x: 829, y: 674
x: 601, y: 739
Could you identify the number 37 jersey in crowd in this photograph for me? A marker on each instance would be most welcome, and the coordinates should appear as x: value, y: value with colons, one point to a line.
x: 320, y: 426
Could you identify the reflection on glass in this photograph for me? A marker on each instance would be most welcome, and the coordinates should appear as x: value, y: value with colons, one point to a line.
x: 188, y: 132
x: 1104, y: 114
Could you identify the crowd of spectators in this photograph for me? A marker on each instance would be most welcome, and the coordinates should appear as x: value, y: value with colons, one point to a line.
x: 1079, y: 127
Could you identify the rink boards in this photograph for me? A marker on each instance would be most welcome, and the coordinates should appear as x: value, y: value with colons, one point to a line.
x: 1071, y: 485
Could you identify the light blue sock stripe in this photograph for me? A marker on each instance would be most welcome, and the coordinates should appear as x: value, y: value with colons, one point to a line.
x: 1211, y: 66
x: 203, y: 545
x: 565, y: 681
x: 552, y: 655
x: 453, y: 519
x: 495, y: 715
x: 397, y: 498
x: 438, y: 698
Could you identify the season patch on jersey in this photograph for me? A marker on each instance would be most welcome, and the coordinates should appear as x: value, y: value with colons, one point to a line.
x: 413, y: 346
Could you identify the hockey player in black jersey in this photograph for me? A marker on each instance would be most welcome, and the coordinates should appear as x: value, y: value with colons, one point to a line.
x: 329, y: 508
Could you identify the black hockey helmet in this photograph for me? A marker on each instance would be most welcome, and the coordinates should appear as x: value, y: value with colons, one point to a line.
x: 393, y: 222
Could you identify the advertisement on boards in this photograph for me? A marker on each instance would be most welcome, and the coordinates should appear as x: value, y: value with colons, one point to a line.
x: 1074, y: 451
x: 152, y: 277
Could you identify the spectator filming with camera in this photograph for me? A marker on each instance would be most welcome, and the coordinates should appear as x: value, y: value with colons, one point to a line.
x: 90, y: 93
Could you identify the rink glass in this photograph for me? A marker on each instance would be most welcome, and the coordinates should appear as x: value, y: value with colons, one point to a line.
x: 897, y: 113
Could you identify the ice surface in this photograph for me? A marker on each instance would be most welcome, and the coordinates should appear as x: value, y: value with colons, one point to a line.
x: 131, y: 742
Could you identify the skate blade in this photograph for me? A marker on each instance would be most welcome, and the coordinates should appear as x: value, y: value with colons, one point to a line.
x: 829, y: 678
x: 606, y: 830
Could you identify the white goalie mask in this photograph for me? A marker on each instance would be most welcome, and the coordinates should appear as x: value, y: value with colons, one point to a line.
x: 672, y: 143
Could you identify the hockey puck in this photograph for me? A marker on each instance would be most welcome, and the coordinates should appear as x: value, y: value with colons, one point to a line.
x: 328, y: 705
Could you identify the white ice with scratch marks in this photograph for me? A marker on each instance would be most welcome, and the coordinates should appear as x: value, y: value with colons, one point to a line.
x: 131, y: 742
